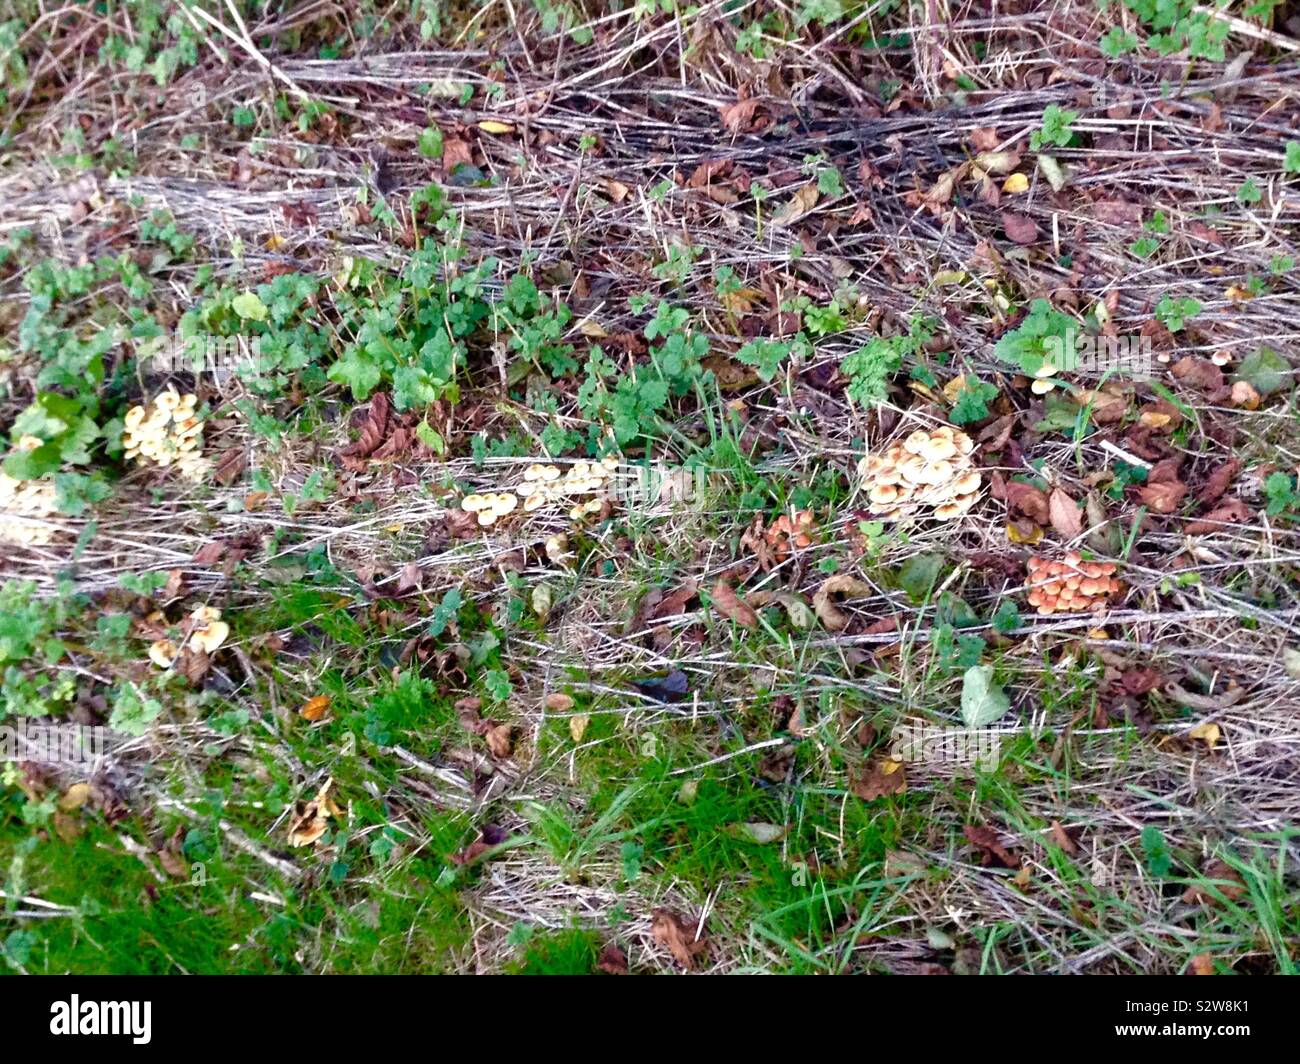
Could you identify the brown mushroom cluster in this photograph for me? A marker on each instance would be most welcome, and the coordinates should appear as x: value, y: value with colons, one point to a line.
x: 928, y: 468
x: 1071, y: 585
x: 25, y: 505
x: 167, y: 433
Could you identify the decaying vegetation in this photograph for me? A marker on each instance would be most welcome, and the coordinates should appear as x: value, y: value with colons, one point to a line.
x: 512, y: 594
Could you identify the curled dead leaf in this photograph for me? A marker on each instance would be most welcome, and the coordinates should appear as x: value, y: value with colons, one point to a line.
x: 684, y: 938
x: 824, y: 604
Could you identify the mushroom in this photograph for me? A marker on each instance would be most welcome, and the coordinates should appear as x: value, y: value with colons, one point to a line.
x: 25, y: 507
x: 927, y: 468
x: 166, y: 433
x: 1070, y: 584
x: 209, y: 637
x: 162, y: 653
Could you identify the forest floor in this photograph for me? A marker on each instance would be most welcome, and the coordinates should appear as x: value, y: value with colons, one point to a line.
x: 656, y: 718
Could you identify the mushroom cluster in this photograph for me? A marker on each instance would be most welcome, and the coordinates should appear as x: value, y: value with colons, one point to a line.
x: 25, y: 505
x: 207, y: 632
x: 1071, y: 585
x: 925, y: 469
x: 490, y: 506
x: 543, y: 485
x: 166, y: 433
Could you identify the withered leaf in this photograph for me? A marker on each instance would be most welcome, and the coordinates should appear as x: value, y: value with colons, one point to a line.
x: 1198, y: 373
x: 986, y: 840
x: 1062, y: 838
x: 884, y: 776
x: 1117, y: 212
x: 738, y: 117
x: 499, y: 739
x: 1065, y: 514
x: 1019, y: 228
x: 1163, y: 496
x: 824, y: 604
x: 1232, y: 512
x: 613, y: 961
x: 315, y: 707
x: 1219, y: 480
x: 1029, y: 500
x: 800, y: 203
x: 732, y: 606
x: 684, y: 938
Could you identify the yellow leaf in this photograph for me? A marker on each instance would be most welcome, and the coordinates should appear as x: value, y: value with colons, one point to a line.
x: 314, y: 708
x: 1016, y: 535
x: 75, y: 797
x: 1208, y: 733
x: 954, y: 388
x: 491, y: 125
x: 275, y: 242
x: 741, y: 301
x: 1016, y: 183
x: 578, y: 726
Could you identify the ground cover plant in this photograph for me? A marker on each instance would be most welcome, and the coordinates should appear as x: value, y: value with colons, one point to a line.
x: 513, y: 479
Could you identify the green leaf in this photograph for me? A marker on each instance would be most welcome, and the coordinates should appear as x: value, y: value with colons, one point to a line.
x: 1266, y: 371
x: 34, y: 464
x: 249, y: 307
x: 918, y: 575
x: 982, y: 701
x: 1291, y: 163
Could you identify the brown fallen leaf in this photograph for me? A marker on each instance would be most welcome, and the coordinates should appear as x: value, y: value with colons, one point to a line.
x: 824, y: 604
x: 230, y: 466
x: 885, y: 776
x: 1117, y: 212
x: 738, y: 117
x: 373, y: 431
x: 800, y: 203
x: 1063, y: 840
x: 1227, y: 882
x: 1029, y: 500
x: 1198, y: 373
x: 986, y: 840
x: 684, y: 938
x: 312, y: 820
x: 558, y: 701
x: 499, y: 739
x: 1220, y: 479
x: 1201, y: 964
x: 1232, y: 512
x: 613, y: 961
x: 1019, y: 228
x: 1162, y: 497
x: 1065, y: 514
x: 732, y: 606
